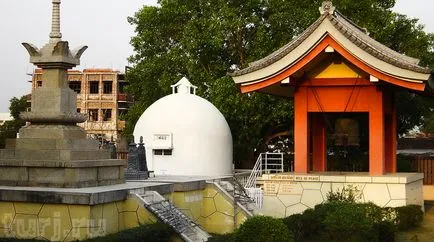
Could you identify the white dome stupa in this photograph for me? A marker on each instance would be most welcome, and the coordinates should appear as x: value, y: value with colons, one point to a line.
x: 185, y: 134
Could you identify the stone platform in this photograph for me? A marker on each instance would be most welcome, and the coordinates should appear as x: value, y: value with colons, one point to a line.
x: 71, y: 214
x: 57, y: 156
x: 79, y: 196
x: 73, y: 173
x: 289, y: 193
x: 102, y: 194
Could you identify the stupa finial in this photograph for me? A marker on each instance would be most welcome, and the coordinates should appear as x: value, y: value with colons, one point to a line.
x: 183, y: 86
x: 55, y: 53
x: 54, y: 58
x: 327, y: 7
x: 55, y: 34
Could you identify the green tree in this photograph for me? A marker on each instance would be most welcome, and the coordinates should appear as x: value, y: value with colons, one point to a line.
x: 205, y: 39
x: 428, y: 124
x: 10, y: 128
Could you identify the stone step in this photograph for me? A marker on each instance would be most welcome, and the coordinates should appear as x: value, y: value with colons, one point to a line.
x: 59, y: 155
x: 56, y: 144
x: 86, y: 174
x: 40, y: 131
x: 172, y: 216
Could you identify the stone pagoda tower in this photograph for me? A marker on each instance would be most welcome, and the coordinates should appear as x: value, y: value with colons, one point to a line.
x: 52, y: 150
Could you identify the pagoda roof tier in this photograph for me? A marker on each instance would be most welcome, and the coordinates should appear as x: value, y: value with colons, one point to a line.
x: 333, y: 32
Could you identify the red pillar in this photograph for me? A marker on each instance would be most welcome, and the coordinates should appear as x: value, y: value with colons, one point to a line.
x: 376, y: 134
x: 300, y: 131
x: 319, y: 143
x: 391, y: 139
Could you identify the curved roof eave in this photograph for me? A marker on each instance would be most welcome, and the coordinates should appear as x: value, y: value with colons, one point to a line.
x: 351, y: 37
x: 328, y: 41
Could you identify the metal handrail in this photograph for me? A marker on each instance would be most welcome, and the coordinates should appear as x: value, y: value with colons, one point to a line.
x: 256, y: 171
x: 266, y: 163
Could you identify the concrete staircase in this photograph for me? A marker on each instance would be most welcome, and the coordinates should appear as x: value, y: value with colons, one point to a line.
x: 234, y: 190
x: 167, y: 213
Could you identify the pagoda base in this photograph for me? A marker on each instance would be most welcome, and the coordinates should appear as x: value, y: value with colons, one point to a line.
x: 71, y: 174
x: 57, y: 155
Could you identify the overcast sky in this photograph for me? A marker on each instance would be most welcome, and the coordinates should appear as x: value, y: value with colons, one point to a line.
x: 100, y: 24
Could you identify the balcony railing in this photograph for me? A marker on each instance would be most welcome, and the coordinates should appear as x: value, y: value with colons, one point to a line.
x: 122, y: 97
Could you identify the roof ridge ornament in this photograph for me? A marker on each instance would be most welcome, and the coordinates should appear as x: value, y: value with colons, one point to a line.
x: 184, y: 86
x: 327, y: 7
x: 55, y: 34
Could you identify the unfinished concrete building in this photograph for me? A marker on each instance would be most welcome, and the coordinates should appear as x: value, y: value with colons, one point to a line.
x: 101, y: 95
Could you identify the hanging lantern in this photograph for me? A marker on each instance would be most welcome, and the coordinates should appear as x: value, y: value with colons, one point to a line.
x: 346, y: 132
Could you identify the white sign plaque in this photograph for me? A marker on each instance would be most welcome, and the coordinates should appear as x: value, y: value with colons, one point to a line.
x: 162, y: 141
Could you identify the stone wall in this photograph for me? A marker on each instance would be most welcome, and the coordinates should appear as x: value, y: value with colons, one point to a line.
x: 285, y: 195
x: 209, y: 208
x: 63, y: 222
x: 428, y: 192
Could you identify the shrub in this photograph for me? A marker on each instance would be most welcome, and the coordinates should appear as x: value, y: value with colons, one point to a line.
x: 303, y: 226
x: 409, y: 216
x: 321, y: 210
x: 375, y: 213
x: 348, y: 193
x: 389, y: 214
x: 222, y: 238
x: 383, y: 221
x: 349, y: 221
x: 157, y: 231
x: 263, y: 229
x: 385, y: 231
x: 295, y: 226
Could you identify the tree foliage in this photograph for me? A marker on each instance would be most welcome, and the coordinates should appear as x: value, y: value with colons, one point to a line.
x: 205, y: 39
x: 10, y: 128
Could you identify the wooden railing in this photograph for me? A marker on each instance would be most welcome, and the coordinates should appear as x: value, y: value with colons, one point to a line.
x: 123, y: 97
x: 122, y: 155
x: 425, y: 165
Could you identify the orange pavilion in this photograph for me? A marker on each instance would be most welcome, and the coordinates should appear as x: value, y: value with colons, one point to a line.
x: 335, y: 67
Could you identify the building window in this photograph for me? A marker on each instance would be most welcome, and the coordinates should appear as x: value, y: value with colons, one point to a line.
x: 107, y: 114
x: 122, y: 113
x: 75, y: 86
x: 163, y: 152
x: 39, y: 83
x: 108, y: 87
x: 94, y: 87
x: 122, y: 86
x: 93, y: 114
x: 78, y: 110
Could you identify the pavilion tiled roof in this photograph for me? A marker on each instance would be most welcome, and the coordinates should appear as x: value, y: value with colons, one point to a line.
x: 354, y: 33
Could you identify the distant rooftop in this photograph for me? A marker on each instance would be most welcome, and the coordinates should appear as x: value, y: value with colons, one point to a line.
x: 5, y: 117
x: 419, y: 143
x: 88, y: 70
